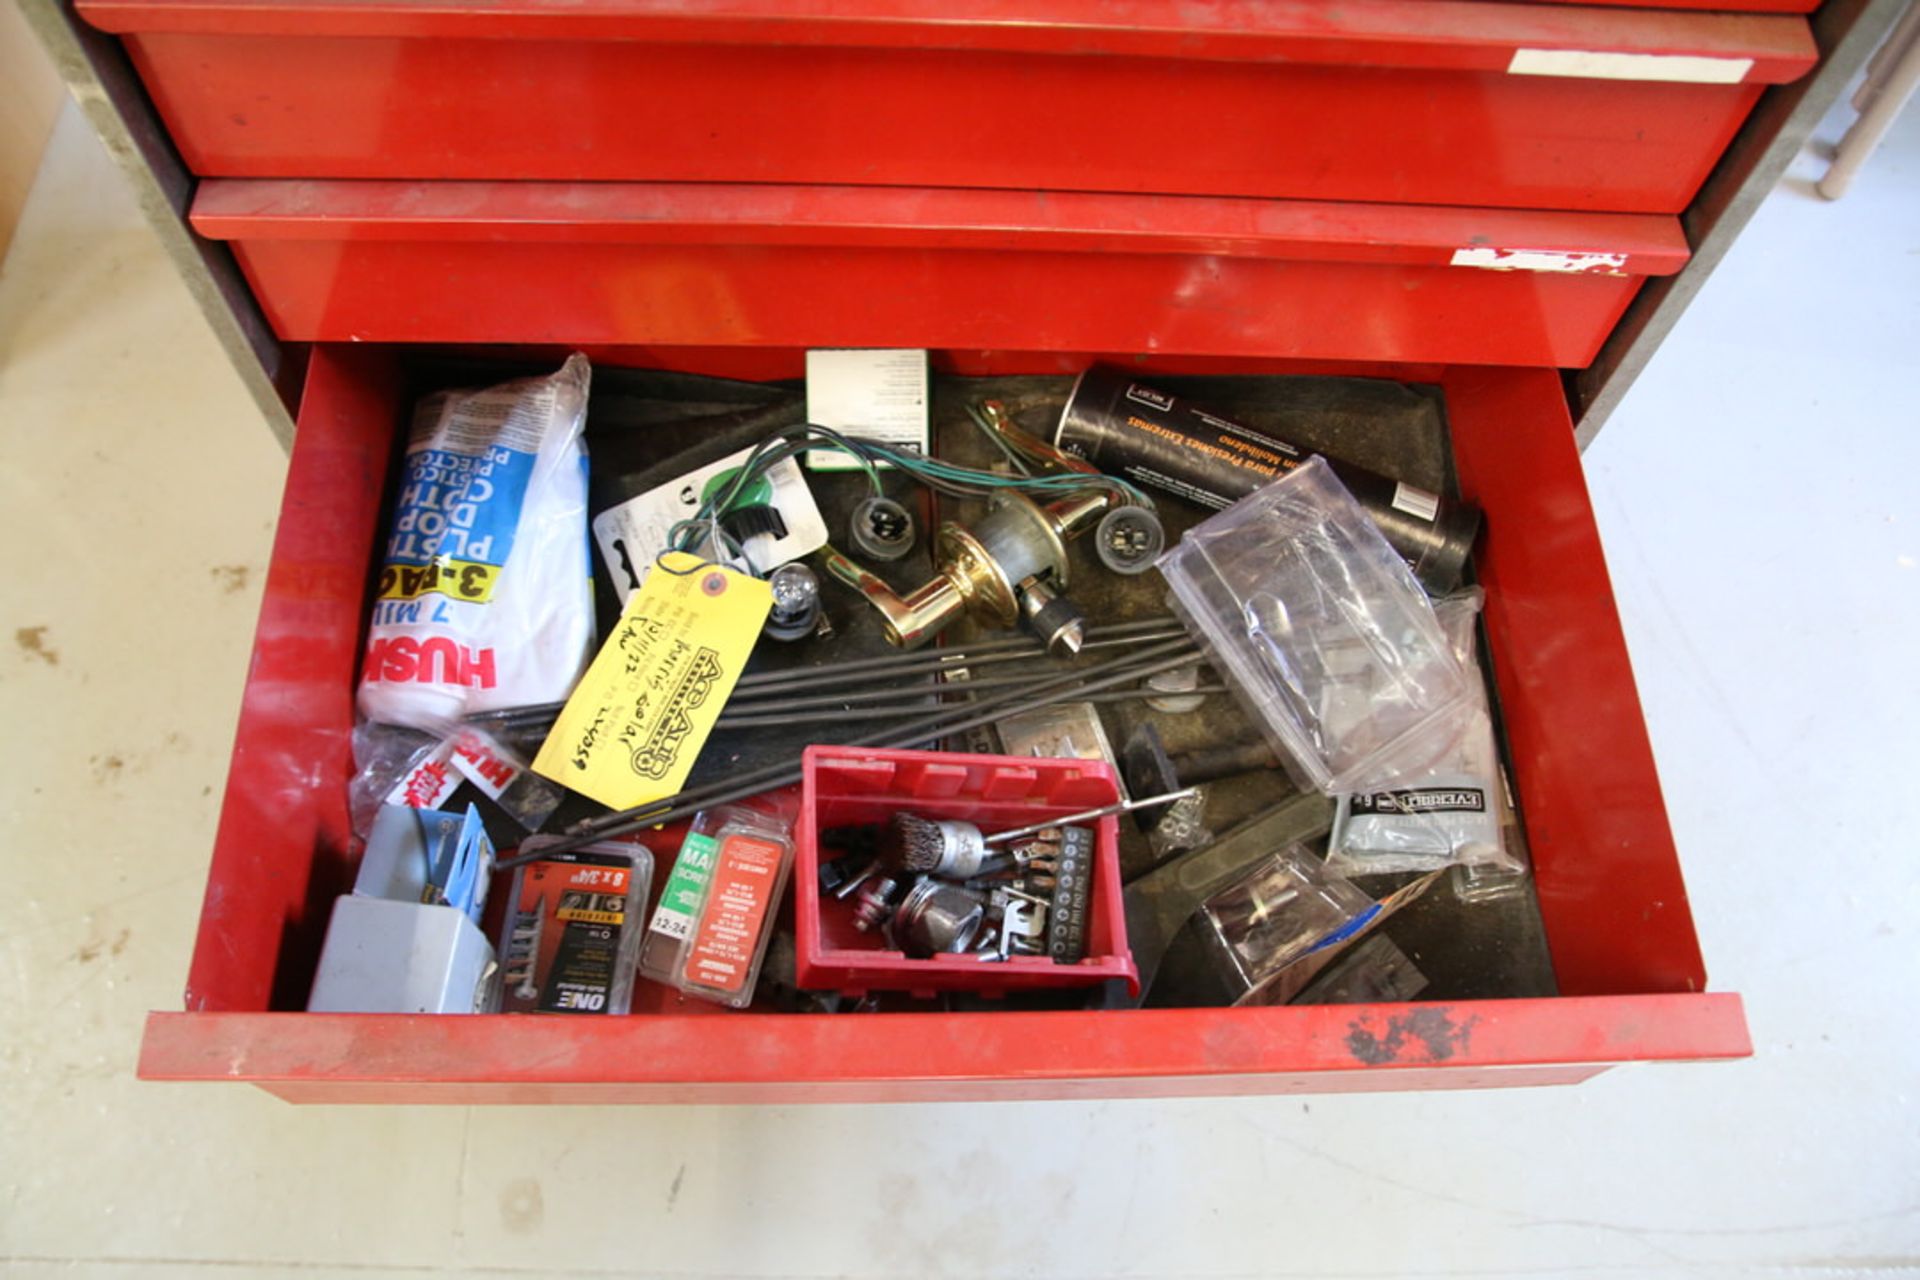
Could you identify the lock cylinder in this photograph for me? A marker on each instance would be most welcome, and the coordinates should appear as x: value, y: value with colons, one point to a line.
x: 1009, y: 565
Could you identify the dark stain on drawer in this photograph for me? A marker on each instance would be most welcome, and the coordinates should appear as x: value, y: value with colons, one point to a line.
x: 1420, y: 1035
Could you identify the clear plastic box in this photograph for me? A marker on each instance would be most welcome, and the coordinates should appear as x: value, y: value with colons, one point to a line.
x: 1321, y: 629
x: 1284, y: 908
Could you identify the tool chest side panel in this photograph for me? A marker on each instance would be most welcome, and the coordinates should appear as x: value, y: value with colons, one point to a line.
x: 778, y: 1057
x: 282, y: 851
x: 1610, y: 886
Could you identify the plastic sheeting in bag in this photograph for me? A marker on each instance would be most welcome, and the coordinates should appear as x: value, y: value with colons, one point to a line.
x: 485, y: 592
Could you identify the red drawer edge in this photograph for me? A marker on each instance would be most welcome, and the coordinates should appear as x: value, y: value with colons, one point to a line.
x: 733, y: 213
x: 718, y: 264
x: 773, y: 1057
x: 1452, y: 34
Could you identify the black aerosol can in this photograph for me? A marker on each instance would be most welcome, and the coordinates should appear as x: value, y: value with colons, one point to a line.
x: 1166, y: 442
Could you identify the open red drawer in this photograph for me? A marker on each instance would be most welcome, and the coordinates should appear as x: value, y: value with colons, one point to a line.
x: 1545, y: 106
x: 700, y: 265
x: 1610, y: 891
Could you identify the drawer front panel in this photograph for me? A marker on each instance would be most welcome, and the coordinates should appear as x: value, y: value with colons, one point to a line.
x: 848, y: 266
x: 1414, y: 101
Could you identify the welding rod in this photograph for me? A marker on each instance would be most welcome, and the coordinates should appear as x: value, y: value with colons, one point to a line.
x: 1063, y: 689
x: 1103, y: 633
x: 929, y: 664
x: 935, y: 721
x: 690, y: 803
x: 892, y: 693
x: 754, y: 721
x: 1007, y: 649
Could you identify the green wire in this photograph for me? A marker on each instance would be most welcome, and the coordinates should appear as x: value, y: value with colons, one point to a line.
x: 943, y: 477
x: 994, y: 438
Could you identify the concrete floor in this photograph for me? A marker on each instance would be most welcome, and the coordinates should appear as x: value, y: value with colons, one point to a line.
x: 1757, y: 494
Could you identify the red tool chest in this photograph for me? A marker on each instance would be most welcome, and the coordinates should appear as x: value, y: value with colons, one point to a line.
x: 1465, y: 195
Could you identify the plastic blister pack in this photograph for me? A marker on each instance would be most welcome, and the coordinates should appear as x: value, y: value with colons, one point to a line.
x: 685, y: 888
x: 721, y: 957
x: 570, y: 942
x: 1321, y: 629
x: 1275, y: 915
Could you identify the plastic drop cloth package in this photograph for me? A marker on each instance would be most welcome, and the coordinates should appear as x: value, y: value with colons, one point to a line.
x: 1447, y: 813
x: 485, y: 592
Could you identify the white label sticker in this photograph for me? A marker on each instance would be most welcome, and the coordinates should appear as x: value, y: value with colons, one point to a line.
x: 1585, y: 264
x: 428, y: 784
x: 483, y: 763
x: 875, y: 395
x: 1587, y: 64
x: 1417, y: 503
x: 633, y: 533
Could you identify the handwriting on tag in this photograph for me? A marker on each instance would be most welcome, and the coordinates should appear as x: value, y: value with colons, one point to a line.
x: 636, y: 722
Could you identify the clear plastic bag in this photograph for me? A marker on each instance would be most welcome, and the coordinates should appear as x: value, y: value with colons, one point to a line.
x: 1447, y: 812
x: 396, y: 766
x: 1493, y: 881
x: 504, y: 777
x: 1322, y: 631
x: 485, y: 596
x: 415, y: 770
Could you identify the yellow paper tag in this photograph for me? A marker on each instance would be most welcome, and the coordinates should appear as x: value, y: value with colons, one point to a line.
x: 635, y: 724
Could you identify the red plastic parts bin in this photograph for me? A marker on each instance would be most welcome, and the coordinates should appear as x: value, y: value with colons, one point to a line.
x: 852, y: 786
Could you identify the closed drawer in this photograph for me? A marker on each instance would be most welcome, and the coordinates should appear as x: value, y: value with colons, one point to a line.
x: 857, y: 266
x: 1411, y: 101
x: 1611, y: 897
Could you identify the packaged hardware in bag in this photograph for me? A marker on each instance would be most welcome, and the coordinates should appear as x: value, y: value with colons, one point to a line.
x: 485, y: 595
x: 1284, y: 908
x: 1447, y: 813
